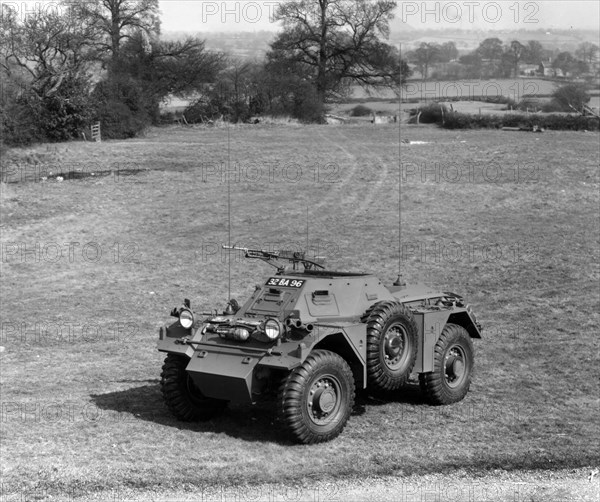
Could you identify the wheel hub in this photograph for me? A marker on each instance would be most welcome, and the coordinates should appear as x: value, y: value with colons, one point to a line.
x: 322, y: 399
x: 455, y: 367
x: 458, y: 367
x: 327, y: 400
x: 393, y: 346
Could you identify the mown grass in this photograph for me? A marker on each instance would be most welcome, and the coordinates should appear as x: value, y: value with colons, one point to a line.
x: 517, y: 233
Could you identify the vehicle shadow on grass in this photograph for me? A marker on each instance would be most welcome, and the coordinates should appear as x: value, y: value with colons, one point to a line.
x: 409, y: 394
x: 256, y: 422
x: 248, y: 422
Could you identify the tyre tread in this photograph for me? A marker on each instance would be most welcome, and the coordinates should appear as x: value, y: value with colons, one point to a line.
x: 378, y: 379
x: 176, y: 401
x: 431, y: 383
x: 290, y: 396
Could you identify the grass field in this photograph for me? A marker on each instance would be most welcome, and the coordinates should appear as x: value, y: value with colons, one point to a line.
x: 92, y: 266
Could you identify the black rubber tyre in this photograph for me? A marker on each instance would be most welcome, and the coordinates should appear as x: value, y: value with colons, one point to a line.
x: 183, y: 399
x: 315, y: 399
x: 452, y: 367
x: 391, y: 346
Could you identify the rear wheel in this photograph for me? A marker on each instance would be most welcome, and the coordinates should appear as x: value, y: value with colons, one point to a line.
x: 183, y: 399
x: 453, y: 362
x: 391, y: 346
x: 315, y: 400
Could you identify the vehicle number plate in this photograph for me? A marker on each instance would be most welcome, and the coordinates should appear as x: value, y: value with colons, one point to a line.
x: 287, y: 283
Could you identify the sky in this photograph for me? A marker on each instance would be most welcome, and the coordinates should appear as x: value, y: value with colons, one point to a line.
x: 249, y: 15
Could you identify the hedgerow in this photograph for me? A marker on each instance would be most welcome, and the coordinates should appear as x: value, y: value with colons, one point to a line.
x: 549, y: 121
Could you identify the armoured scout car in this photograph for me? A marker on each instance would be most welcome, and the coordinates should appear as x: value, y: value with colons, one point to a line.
x: 310, y: 337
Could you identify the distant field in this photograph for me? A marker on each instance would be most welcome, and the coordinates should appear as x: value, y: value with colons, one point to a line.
x: 467, y: 89
x: 92, y: 267
x: 387, y: 101
x: 388, y: 107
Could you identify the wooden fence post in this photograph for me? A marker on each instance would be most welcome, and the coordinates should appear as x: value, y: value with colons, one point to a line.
x: 96, y: 135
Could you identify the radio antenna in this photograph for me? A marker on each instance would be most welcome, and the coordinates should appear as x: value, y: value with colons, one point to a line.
x: 228, y: 212
x: 399, y: 280
x: 306, y: 229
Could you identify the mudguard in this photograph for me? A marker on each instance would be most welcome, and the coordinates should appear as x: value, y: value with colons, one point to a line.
x: 169, y: 340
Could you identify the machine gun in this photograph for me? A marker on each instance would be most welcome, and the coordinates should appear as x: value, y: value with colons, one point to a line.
x: 274, y: 258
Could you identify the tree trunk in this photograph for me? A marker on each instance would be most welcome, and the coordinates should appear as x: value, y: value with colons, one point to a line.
x: 322, y: 67
x: 115, y: 40
x: 115, y: 30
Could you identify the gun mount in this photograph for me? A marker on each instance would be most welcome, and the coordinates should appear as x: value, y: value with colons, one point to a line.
x: 274, y: 258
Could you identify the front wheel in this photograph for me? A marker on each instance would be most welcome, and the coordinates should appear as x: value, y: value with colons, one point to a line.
x: 452, y: 367
x: 183, y: 399
x: 315, y: 400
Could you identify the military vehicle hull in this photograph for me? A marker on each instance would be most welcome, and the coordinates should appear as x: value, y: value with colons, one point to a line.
x: 229, y: 358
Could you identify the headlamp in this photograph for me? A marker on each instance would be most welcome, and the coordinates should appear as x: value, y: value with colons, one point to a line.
x: 186, y: 318
x: 273, y: 329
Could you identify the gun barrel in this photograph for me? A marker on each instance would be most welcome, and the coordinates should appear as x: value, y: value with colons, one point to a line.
x: 231, y: 248
x: 269, y: 256
x: 252, y: 253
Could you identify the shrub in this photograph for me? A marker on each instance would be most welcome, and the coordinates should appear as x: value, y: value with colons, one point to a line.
x: 66, y: 113
x: 469, y: 121
x: 215, y: 107
x: 552, y: 106
x: 571, y: 96
x: 530, y: 104
x: 432, y: 113
x: 360, y: 111
x: 569, y: 122
x: 123, y: 107
x: 119, y: 122
x: 25, y: 117
x: 499, y: 100
x: 306, y: 107
x: 204, y: 109
x: 19, y: 122
x: 551, y: 121
x: 167, y: 118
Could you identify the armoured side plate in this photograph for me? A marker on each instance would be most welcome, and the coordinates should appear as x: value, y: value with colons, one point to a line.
x: 430, y: 324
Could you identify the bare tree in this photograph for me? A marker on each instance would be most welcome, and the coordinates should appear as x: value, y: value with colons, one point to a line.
x: 448, y: 52
x: 46, y: 48
x: 117, y: 20
x: 236, y: 78
x: 534, y: 52
x: 491, y: 49
x: 515, y: 52
x: 181, y: 67
x: 424, y: 56
x: 337, y: 41
x: 587, y: 52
